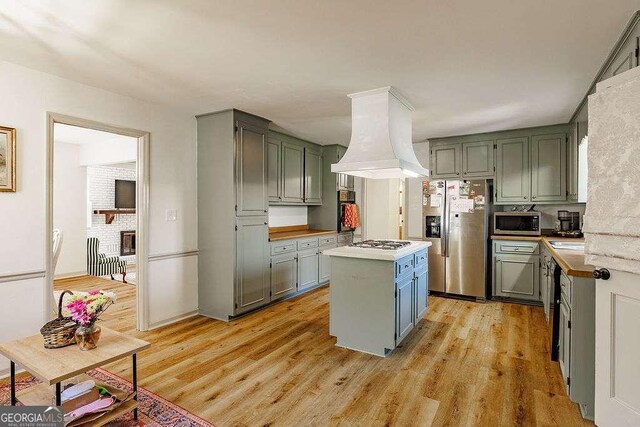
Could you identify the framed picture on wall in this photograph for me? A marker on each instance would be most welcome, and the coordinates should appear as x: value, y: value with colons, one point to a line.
x: 7, y: 159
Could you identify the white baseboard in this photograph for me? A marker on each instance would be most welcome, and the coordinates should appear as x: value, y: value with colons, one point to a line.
x: 70, y: 275
x: 172, y: 320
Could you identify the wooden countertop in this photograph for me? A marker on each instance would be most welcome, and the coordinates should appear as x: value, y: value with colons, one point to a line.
x: 572, y: 262
x: 295, y: 232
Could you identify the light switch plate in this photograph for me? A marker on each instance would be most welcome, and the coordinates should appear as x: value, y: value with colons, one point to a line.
x: 172, y: 215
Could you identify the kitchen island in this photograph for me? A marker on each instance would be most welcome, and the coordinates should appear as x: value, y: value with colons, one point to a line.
x: 378, y: 293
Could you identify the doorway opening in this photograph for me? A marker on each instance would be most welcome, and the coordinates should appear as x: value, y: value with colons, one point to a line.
x: 97, y: 197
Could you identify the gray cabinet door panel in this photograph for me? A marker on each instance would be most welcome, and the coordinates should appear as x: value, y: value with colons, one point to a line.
x: 477, y: 159
x: 404, y: 307
x: 548, y: 168
x: 292, y: 173
x: 512, y: 171
x: 307, y: 268
x: 252, y: 263
x: 251, y: 170
x: 324, y: 268
x: 312, y: 176
x: 274, y: 170
x: 564, y: 341
x: 284, y: 275
x: 516, y: 276
x: 572, y: 165
x: 422, y: 301
x: 445, y: 161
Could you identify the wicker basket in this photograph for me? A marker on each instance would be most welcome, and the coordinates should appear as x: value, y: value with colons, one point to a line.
x: 59, y: 332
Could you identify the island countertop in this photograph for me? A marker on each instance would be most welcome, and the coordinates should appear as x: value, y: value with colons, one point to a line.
x: 378, y: 254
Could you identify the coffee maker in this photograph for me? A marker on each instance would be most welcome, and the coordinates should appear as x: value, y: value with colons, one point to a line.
x: 568, y: 224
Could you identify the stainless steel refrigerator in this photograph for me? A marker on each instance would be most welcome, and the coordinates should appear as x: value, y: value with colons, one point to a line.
x: 456, y: 220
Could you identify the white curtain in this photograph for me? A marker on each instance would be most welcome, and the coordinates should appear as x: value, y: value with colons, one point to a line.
x: 612, y: 217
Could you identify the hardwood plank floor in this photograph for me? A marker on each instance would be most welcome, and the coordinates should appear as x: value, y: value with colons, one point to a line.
x: 465, y: 364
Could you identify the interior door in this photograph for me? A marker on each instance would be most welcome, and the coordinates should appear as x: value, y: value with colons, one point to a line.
x: 617, y: 350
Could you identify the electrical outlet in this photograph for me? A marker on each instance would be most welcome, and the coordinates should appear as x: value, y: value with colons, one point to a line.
x: 172, y: 214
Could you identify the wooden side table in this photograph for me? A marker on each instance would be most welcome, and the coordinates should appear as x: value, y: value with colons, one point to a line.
x: 52, y: 366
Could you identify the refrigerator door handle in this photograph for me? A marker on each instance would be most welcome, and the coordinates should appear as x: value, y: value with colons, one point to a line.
x: 445, y: 230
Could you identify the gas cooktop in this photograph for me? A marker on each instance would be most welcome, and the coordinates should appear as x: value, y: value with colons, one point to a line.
x: 381, y: 244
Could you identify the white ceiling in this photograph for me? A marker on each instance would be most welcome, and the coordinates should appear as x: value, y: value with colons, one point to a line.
x: 80, y: 136
x: 466, y: 65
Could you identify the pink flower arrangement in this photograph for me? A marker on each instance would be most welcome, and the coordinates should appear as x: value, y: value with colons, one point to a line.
x: 85, y: 308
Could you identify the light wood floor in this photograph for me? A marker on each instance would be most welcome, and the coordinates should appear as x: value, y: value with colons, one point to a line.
x: 466, y: 364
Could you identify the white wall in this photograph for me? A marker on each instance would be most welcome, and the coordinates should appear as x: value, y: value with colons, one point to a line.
x: 27, y: 96
x: 281, y: 216
x: 381, y: 210
x: 70, y: 209
x: 120, y: 150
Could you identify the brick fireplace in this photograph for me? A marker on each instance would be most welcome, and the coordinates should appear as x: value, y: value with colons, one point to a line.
x: 127, y: 243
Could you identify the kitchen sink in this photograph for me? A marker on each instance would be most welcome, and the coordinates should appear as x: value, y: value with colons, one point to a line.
x: 572, y: 246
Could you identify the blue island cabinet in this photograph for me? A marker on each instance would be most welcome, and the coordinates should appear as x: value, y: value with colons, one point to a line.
x: 375, y: 302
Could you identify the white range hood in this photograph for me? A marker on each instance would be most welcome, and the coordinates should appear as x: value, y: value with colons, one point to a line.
x: 381, y: 145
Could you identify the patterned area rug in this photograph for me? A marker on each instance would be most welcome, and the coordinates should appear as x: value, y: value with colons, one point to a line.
x: 153, y: 410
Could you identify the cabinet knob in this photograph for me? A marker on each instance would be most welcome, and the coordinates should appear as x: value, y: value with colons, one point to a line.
x: 533, y: 197
x: 602, y: 273
x: 525, y: 197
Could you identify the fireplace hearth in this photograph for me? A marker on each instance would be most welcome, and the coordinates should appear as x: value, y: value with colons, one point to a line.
x: 127, y: 243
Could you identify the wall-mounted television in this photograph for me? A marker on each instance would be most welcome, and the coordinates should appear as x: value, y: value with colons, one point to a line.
x: 125, y: 194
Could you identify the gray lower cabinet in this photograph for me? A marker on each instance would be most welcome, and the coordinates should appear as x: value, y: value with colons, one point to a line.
x: 251, y: 169
x: 308, y: 268
x: 284, y: 275
x: 312, y: 176
x: 422, y: 294
x: 446, y: 161
x: 292, y: 173
x: 513, y: 175
x: 548, y: 168
x: 564, y: 341
x: 252, y: 263
x: 477, y: 159
x: 274, y: 170
x: 516, y: 269
x: 324, y: 265
x: 404, y: 306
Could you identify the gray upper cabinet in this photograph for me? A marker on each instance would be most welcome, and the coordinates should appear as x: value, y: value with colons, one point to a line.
x: 312, y: 176
x: 446, y: 161
x: 252, y: 263
x: 512, y: 171
x: 572, y: 167
x: 292, y: 173
x: 307, y: 268
x: 251, y: 169
x: 477, y: 159
x: 626, y: 56
x: 548, y: 168
x: 284, y: 275
x: 274, y: 170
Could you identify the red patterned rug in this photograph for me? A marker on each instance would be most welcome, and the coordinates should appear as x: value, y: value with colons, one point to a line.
x: 153, y: 410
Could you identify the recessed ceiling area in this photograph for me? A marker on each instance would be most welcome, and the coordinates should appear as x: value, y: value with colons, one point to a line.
x: 467, y: 66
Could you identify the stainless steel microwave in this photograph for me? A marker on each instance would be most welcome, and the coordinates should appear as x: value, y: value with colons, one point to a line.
x: 517, y: 223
